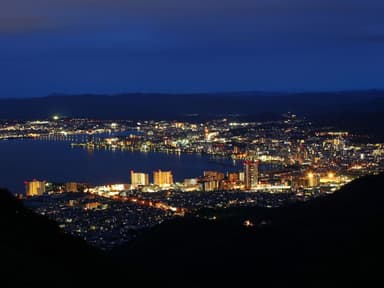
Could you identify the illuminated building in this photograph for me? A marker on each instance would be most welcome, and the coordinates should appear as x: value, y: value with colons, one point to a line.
x: 211, y: 180
x: 210, y: 185
x: 206, y: 134
x: 108, y: 190
x: 233, y: 177
x: 179, y: 125
x: 214, y: 175
x: 92, y: 206
x: 34, y: 188
x: 235, y: 181
x: 302, y: 154
x: 191, y: 182
x: 307, y: 181
x: 71, y: 187
x: 139, y: 179
x: 242, y: 177
x: 251, y: 173
x: 313, y: 179
x: 163, y: 178
x: 236, y: 176
x: 331, y: 177
x: 226, y: 185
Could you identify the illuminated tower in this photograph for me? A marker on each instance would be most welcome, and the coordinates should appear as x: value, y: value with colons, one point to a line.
x: 162, y: 178
x: 34, y: 188
x: 251, y: 173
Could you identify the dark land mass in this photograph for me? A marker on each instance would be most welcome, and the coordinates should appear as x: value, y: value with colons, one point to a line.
x: 359, y: 111
x: 174, y: 106
x: 332, y: 241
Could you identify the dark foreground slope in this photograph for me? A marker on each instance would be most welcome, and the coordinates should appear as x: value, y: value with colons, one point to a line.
x: 326, y: 242
x: 334, y: 240
x: 36, y: 253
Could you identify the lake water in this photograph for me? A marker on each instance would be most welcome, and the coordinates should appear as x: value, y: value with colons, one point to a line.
x: 57, y: 161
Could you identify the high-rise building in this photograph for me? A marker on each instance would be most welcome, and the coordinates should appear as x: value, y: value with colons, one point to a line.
x: 139, y: 179
x: 162, y: 178
x: 34, y: 188
x: 251, y: 173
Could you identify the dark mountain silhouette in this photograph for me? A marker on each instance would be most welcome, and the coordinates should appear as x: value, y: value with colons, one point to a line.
x: 330, y: 241
x: 337, y: 238
x: 176, y: 106
x: 357, y: 111
x: 366, y: 118
x: 35, y: 252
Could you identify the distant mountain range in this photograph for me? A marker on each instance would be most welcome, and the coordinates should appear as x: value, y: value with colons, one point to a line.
x: 177, y: 106
x: 335, y: 241
x: 357, y: 111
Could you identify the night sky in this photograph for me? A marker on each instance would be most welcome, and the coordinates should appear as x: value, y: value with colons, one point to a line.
x: 113, y: 46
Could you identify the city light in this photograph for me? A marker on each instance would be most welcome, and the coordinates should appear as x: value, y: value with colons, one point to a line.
x: 248, y: 223
x: 265, y: 165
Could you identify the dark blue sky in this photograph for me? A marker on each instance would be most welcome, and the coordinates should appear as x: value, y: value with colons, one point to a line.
x: 112, y: 46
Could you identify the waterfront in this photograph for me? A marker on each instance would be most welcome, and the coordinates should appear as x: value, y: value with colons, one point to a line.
x: 57, y: 161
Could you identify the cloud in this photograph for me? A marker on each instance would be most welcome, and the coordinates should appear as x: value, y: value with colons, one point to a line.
x: 19, y: 25
x: 185, y: 22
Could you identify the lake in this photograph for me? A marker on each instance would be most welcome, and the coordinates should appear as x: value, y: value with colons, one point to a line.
x: 57, y: 161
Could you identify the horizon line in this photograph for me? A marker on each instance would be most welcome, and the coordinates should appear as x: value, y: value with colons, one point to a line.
x: 260, y: 92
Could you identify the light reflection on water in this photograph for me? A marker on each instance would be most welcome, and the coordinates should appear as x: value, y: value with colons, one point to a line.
x: 59, y: 162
